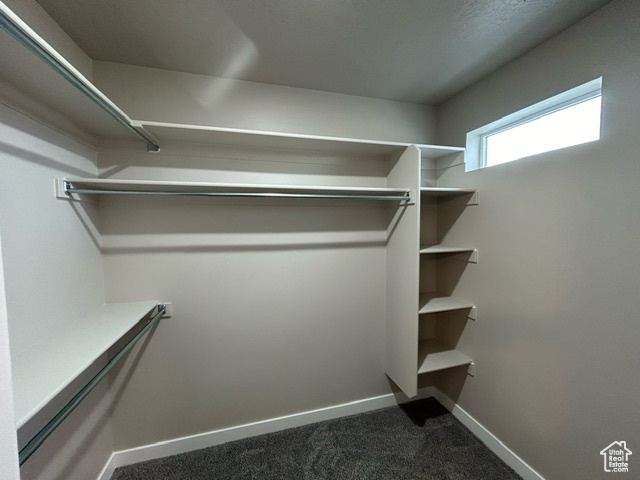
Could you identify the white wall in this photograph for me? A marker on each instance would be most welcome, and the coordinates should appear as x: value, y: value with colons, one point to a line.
x: 556, y: 340
x: 53, y: 275
x: 175, y: 97
x: 8, y: 440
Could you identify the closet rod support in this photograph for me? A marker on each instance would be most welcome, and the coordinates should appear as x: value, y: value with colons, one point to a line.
x: 19, y: 30
x: 39, y: 438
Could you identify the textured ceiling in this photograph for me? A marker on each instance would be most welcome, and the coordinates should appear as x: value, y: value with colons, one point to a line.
x: 420, y: 51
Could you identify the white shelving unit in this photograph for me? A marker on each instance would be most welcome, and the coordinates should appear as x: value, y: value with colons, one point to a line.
x: 48, y: 367
x: 433, y: 357
x: 432, y: 354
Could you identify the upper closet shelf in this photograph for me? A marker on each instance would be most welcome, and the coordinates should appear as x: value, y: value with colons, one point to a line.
x: 286, y: 141
x: 89, y: 186
x: 48, y: 367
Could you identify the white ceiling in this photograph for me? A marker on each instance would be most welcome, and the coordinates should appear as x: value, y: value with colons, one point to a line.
x: 420, y: 51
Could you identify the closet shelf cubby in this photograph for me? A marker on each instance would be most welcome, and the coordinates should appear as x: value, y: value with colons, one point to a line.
x: 450, y: 195
x: 446, y: 191
x: 46, y: 368
x: 94, y: 186
x: 433, y: 303
x: 433, y: 356
x: 437, y: 249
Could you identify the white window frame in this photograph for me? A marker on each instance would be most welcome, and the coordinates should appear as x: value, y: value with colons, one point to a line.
x: 476, y: 151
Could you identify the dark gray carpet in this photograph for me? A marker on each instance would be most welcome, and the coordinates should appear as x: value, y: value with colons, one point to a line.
x: 419, y: 440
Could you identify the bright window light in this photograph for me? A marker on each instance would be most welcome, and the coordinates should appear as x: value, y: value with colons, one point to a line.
x: 573, y: 125
x: 570, y: 118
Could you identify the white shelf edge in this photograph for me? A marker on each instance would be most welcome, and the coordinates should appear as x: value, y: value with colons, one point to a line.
x: 433, y: 357
x: 36, y: 376
x: 264, y: 133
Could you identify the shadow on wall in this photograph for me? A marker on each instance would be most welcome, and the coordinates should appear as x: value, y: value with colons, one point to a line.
x: 42, y: 160
x: 155, y: 225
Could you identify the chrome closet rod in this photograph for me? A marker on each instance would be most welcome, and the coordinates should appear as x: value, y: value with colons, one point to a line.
x: 50, y: 427
x: 330, y: 196
x: 21, y: 35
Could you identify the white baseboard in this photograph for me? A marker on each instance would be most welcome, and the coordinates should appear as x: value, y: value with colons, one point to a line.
x: 107, y: 470
x: 217, y: 437
x: 489, y: 439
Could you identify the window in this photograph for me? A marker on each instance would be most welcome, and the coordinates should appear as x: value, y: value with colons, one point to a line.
x: 571, y: 118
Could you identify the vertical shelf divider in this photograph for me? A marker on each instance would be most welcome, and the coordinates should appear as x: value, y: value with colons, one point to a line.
x: 403, y: 246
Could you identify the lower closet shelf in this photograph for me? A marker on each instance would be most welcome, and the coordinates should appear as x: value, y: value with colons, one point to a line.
x: 47, y: 367
x: 431, y: 302
x: 433, y: 357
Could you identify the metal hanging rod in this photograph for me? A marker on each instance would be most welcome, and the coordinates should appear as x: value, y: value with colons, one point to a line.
x: 39, y: 438
x: 19, y: 30
x: 69, y: 189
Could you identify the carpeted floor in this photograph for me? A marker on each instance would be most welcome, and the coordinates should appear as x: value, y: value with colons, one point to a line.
x: 419, y: 440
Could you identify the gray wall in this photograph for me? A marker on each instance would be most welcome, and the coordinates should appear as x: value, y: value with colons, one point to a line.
x: 556, y: 341
x: 278, y: 309
x: 175, y: 97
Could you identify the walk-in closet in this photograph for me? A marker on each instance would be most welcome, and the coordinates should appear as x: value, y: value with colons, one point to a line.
x: 327, y: 240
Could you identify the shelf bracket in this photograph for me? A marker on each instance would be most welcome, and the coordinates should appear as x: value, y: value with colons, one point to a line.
x: 471, y: 371
x: 60, y: 191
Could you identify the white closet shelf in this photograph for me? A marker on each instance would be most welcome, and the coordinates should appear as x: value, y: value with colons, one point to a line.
x: 47, y: 367
x: 433, y: 357
x: 98, y: 186
x: 431, y: 302
x: 206, y: 134
x: 446, y: 191
x: 436, y: 249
